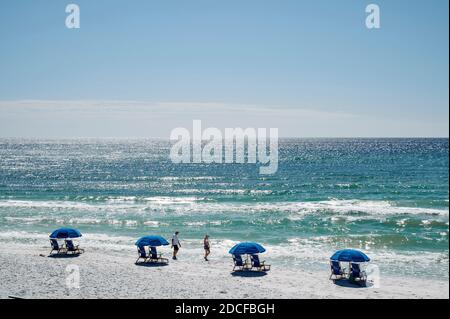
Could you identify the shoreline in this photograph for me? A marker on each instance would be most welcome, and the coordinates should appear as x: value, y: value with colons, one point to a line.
x: 111, y: 274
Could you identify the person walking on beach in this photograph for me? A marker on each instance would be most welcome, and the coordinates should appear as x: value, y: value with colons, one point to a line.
x: 207, y: 247
x: 175, y: 245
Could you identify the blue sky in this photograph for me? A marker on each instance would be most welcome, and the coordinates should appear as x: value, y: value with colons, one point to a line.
x: 141, y: 68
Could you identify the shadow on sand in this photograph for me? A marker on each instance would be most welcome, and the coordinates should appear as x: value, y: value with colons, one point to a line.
x: 64, y: 256
x: 249, y: 274
x: 151, y: 265
x: 348, y: 284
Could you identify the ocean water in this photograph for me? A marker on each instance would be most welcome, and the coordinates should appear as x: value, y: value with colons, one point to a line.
x: 388, y: 197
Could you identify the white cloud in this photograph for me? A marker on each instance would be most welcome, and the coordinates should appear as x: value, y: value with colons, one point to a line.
x: 65, y: 119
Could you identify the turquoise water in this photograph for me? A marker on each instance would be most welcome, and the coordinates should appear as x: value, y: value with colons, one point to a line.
x: 388, y: 197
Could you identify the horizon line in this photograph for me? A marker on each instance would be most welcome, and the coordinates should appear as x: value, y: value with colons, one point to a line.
x: 167, y: 138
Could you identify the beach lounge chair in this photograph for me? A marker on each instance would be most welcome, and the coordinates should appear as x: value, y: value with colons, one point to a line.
x: 337, y: 272
x: 142, y: 254
x: 239, y: 264
x: 155, y: 257
x: 259, y: 265
x: 71, y: 248
x: 56, y: 247
x: 356, y: 274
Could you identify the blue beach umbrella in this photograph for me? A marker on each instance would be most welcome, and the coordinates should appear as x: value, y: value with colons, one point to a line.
x: 65, y: 233
x: 247, y: 248
x: 350, y: 255
x: 152, y: 241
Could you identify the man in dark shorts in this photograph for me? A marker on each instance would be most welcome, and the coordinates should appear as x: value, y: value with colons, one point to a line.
x: 206, y: 246
x: 175, y: 245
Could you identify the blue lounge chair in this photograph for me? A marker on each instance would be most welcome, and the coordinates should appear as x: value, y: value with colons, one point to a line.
x: 142, y: 254
x: 259, y: 265
x: 74, y: 249
x: 239, y: 263
x: 155, y: 257
x: 337, y: 272
x: 356, y: 274
x: 56, y: 247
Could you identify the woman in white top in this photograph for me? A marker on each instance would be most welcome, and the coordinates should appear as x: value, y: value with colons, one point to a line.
x: 175, y: 245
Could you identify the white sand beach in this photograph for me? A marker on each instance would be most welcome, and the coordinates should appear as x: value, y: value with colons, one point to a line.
x: 27, y: 272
